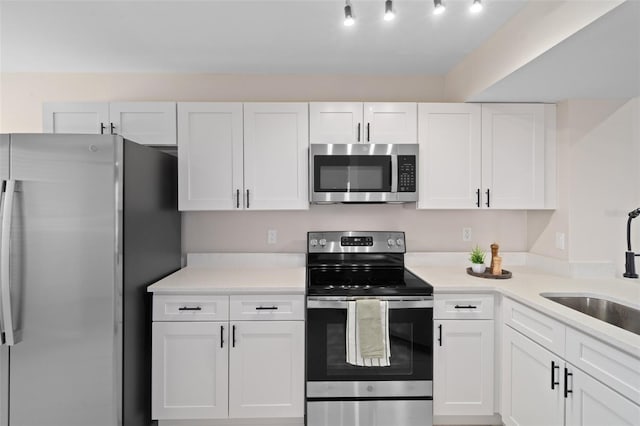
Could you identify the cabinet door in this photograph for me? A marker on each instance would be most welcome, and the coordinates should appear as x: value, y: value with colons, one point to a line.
x: 463, y: 379
x: 527, y: 395
x: 266, y: 372
x: 189, y: 370
x: 149, y: 123
x: 513, y: 156
x: 450, y: 155
x: 335, y: 122
x: 76, y: 117
x: 276, y: 158
x: 593, y: 404
x: 390, y: 122
x: 210, y: 162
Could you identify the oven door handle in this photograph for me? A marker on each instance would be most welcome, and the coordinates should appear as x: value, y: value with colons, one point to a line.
x: 319, y: 303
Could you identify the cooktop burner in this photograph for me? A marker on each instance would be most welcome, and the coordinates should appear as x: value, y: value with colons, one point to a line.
x: 360, y: 264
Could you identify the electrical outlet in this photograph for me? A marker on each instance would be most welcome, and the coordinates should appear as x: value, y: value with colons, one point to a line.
x: 272, y: 236
x: 560, y: 240
x: 466, y: 234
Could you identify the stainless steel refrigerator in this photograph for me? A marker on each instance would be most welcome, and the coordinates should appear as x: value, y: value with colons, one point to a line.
x: 86, y: 223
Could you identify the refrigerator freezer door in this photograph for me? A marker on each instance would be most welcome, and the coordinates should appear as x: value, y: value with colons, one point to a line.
x: 63, y: 371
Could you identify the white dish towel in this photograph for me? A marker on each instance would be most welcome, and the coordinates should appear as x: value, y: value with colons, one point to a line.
x: 368, y: 333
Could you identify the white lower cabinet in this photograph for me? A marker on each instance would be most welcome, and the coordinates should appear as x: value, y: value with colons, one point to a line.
x: 463, y: 375
x: 530, y: 395
x: 541, y: 388
x: 266, y: 368
x: 231, y: 368
x: 190, y: 370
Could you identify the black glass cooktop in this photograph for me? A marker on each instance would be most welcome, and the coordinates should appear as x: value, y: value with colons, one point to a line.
x: 363, y: 281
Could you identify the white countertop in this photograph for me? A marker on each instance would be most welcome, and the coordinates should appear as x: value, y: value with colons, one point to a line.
x: 526, y: 285
x: 232, y: 280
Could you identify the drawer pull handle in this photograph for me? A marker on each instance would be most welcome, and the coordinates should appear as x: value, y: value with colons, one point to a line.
x: 266, y: 308
x: 222, y: 336
x: 233, y: 336
x: 466, y: 307
x: 190, y: 308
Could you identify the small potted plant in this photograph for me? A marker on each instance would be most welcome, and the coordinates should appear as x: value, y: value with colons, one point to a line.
x: 477, y: 260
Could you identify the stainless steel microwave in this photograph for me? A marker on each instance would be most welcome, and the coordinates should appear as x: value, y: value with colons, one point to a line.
x: 363, y: 173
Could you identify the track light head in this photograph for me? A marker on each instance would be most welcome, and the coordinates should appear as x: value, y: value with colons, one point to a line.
x: 389, y: 14
x: 348, y: 16
x: 438, y: 7
x: 476, y: 7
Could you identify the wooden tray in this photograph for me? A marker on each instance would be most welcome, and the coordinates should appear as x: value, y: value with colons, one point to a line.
x: 486, y: 274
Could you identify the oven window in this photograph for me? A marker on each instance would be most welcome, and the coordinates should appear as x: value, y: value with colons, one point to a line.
x: 352, y: 173
x: 410, y: 335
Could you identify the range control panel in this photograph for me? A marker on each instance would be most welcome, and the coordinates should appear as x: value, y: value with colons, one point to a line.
x: 356, y: 242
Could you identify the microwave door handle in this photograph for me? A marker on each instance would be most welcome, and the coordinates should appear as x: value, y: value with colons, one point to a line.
x: 394, y: 173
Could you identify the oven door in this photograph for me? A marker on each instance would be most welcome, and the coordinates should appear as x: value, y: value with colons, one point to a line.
x: 411, y: 337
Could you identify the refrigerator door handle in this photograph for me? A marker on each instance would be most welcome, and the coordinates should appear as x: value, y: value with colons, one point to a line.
x: 5, y: 256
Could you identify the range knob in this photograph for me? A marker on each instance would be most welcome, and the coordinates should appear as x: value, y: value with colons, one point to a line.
x: 313, y: 242
x: 399, y: 241
x: 323, y: 242
x: 391, y: 242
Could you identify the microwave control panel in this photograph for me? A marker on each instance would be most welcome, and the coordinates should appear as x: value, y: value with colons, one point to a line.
x: 406, y: 173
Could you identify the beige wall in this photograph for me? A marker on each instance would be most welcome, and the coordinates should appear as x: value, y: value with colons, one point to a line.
x: 599, y: 182
x: 22, y: 94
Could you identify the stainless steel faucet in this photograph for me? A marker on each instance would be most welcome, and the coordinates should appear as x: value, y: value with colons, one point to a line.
x: 630, y: 261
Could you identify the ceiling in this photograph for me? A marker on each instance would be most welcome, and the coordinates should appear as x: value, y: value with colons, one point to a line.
x: 308, y: 37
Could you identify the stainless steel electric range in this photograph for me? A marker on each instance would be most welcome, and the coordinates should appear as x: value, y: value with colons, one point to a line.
x: 344, y: 267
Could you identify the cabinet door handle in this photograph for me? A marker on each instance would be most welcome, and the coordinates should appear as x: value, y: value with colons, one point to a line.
x: 102, y: 127
x: 359, y: 132
x: 478, y: 197
x: 237, y: 198
x: 266, y: 308
x: 368, y: 132
x: 247, y: 198
x: 440, y: 334
x: 465, y: 307
x: 488, y: 198
x: 567, y: 391
x: 190, y: 308
x: 233, y: 336
x: 113, y: 128
x: 222, y: 336
x: 553, y: 374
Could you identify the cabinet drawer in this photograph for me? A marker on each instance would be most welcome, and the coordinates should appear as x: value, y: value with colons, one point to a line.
x: 463, y: 306
x: 190, y: 308
x: 538, y: 327
x: 611, y: 366
x: 265, y: 307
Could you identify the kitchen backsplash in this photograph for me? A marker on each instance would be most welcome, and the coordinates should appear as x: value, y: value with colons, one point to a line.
x: 436, y: 230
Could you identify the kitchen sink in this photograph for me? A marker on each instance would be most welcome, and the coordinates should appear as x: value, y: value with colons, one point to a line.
x: 614, y: 313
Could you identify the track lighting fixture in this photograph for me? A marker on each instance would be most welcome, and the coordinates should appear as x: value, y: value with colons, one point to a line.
x: 348, y: 16
x: 389, y: 14
x: 476, y: 6
x: 438, y: 7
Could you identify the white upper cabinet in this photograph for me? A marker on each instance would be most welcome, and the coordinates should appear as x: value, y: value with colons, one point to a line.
x: 234, y: 156
x: 500, y: 156
x: 357, y: 122
x: 149, y: 123
x: 513, y: 155
x: 276, y: 157
x: 450, y: 155
x: 210, y: 157
x: 76, y: 117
